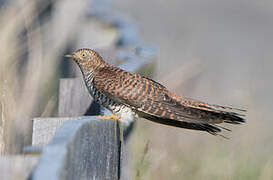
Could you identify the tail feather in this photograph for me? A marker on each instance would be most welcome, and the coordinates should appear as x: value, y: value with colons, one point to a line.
x: 196, y: 115
x: 227, y: 114
x: 212, y: 129
x: 228, y: 117
x: 212, y: 107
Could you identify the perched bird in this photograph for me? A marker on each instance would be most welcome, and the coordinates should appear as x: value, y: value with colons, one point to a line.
x: 130, y: 96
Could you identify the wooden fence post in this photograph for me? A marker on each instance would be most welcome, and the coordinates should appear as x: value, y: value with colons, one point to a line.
x: 86, y: 148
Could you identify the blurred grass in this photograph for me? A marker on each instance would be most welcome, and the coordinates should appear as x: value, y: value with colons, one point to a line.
x: 24, y: 72
x: 193, y: 155
x: 34, y: 36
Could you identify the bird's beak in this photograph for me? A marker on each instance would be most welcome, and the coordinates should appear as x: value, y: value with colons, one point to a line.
x: 70, y: 56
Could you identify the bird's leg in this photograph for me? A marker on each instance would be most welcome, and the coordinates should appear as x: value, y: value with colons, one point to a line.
x: 109, y: 117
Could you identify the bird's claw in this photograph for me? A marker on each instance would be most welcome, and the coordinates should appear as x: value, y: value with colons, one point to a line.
x: 109, y: 117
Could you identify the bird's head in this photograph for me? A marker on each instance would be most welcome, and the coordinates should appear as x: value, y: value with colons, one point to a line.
x: 86, y: 59
x: 82, y: 56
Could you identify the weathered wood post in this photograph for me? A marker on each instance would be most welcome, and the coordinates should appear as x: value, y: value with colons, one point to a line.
x: 83, y: 148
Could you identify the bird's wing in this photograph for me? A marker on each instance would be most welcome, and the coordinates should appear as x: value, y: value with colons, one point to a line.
x: 155, y: 102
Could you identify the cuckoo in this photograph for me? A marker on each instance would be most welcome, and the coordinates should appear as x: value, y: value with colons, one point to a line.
x: 130, y: 96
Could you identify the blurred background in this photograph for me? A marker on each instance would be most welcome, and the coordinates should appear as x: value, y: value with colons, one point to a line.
x: 219, y: 52
x: 215, y: 51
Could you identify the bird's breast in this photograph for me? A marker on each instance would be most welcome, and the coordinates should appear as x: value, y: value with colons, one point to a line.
x: 101, y: 98
x: 125, y: 113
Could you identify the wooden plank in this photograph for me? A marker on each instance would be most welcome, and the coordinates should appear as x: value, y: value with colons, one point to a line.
x: 17, y: 167
x: 45, y: 128
x: 74, y: 98
x: 82, y: 149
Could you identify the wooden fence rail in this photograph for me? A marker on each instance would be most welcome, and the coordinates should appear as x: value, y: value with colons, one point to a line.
x: 83, y: 148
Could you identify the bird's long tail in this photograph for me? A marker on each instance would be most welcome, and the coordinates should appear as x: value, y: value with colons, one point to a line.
x: 203, y: 116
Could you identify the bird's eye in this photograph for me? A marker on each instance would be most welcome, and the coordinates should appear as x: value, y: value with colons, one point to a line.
x: 83, y: 54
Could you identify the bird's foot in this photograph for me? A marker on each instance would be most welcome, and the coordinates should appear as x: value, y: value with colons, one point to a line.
x: 109, y: 117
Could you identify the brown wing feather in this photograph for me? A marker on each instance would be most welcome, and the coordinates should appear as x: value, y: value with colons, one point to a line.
x: 155, y: 102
